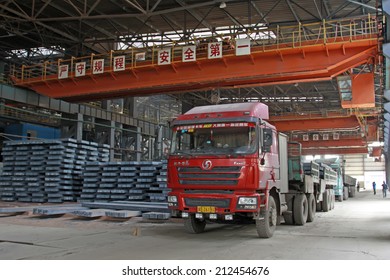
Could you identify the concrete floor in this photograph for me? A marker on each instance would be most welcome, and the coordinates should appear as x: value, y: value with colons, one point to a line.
x: 357, y: 229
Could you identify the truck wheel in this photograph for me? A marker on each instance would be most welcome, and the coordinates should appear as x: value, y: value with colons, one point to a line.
x: 319, y: 206
x: 193, y: 225
x: 311, y: 211
x: 353, y: 192
x: 288, y: 218
x: 300, y: 209
x: 332, y: 200
x: 325, y: 201
x: 266, y: 225
x: 345, y: 193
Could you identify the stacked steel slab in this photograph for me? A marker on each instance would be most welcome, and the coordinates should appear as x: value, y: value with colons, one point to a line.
x: 47, y: 170
x: 127, y: 181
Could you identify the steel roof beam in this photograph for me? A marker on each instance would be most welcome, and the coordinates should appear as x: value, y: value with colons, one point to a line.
x: 318, y: 8
x: 263, y: 17
x: 133, y: 15
x: 364, y: 5
x: 55, y: 30
x: 136, y: 5
x: 195, y: 15
x: 267, y: 13
x: 304, y: 9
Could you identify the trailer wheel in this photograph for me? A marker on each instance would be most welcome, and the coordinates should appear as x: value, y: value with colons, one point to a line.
x: 319, y: 206
x: 325, y: 201
x: 300, y: 209
x: 193, y: 225
x: 288, y: 218
x: 345, y: 193
x: 353, y: 192
x: 332, y: 200
x: 266, y: 225
x: 311, y: 211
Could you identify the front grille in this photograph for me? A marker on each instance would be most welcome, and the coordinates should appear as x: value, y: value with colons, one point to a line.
x: 210, y: 175
x: 208, y: 182
x: 209, y: 191
x: 222, y: 203
x: 218, y: 176
x: 214, y: 169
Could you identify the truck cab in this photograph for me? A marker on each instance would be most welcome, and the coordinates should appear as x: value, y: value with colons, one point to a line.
x: 227, y: 164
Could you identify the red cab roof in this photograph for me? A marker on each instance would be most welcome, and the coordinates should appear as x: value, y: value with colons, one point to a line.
x: 258, y: 110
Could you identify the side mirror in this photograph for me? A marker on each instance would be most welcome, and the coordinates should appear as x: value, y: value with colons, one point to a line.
x: 267, y: 140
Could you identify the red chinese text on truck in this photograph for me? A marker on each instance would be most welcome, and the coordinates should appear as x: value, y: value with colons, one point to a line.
x: 228, y: 164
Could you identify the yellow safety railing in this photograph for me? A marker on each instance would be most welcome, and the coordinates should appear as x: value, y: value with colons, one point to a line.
x: 262, y: 40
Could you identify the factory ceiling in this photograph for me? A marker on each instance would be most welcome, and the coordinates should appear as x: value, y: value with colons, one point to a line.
x: 32, y: 31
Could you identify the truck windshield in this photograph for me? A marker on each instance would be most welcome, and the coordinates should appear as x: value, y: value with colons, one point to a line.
x: 212, y: 139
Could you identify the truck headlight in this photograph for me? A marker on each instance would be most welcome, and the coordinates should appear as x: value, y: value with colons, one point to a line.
x: 172, y: 201
x: 247, y: 203
x: 184, y: 215
x: 247, y: 200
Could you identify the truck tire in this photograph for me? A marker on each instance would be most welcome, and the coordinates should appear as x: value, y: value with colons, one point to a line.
x: 340, y: 198
x: 288, y: 218
x: 332, y: 200
x: 353, y: 192
x: 300, y: 210
x: 193, y: 225
x: 345, y: 193
x: 319, y: 206
x: 312, y: 207
x: 266, y: 225
x: 325, y: 201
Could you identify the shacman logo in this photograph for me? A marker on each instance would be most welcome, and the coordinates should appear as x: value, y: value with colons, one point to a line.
x: 207, y: 164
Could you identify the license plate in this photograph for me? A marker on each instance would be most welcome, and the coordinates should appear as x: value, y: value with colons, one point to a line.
x: 205, y: 209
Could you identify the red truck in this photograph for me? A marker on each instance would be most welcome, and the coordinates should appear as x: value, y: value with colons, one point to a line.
x: 228, y: 164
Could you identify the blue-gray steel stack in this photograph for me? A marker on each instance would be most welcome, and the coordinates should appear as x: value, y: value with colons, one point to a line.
x: 46, y: 170
x: 125, y: 181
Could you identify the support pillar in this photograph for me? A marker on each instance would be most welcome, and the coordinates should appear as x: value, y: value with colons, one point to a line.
x: 130, y: 106
x: 111, y: 140
x: 138, y: 146
x: 79, y: 127
x: 72, y: 129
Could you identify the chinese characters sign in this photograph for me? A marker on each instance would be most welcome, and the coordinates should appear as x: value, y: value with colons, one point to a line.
x: 98, y: 66
x: 80, y: 69
x: 63, y: 71
x: 212, y: 125
x: 164, y: 57
x: 119, y: 63
x: 214, y: 50
x: 140, y: 56
x: 243, y: 47
x: 189, y: 53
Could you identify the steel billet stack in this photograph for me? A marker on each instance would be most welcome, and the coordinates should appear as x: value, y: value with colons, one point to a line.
x: 158, y: 192
x: 92, y: 177
x: 120, y: 181
x: 46, y: 170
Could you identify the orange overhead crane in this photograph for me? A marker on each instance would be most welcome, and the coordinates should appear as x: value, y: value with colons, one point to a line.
x: 361, y: 128
x: 288, y: 55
